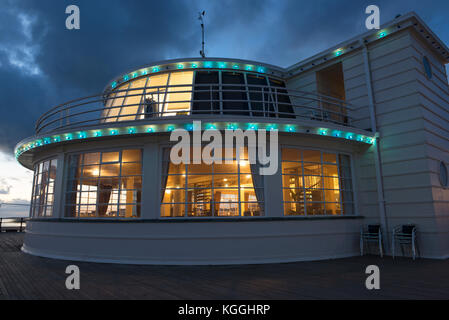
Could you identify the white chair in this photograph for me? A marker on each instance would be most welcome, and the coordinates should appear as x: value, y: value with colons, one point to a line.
x: 405, y: 235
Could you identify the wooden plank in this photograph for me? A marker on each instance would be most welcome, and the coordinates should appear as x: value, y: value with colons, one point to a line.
x: 24, y: 276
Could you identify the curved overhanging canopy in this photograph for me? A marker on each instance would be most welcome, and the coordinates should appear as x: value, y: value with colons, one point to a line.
x: 194, y: 64
x: 124, y: 129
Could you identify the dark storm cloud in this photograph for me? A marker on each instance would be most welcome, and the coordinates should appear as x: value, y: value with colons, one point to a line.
x: 43, y: 64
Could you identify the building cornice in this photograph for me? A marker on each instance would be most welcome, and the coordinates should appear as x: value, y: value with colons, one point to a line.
x: 410, y: 20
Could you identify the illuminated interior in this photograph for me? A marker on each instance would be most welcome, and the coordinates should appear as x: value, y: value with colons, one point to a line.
x: 316, y: 183
x: 178, y: 93
x: 220, y: 190
x: 104, y: 184
x: 149, y: 97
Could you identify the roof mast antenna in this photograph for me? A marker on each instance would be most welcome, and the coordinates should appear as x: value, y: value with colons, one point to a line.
x: 200, y: 17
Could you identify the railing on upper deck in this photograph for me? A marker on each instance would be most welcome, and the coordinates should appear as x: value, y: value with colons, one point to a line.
x: 157, y: 103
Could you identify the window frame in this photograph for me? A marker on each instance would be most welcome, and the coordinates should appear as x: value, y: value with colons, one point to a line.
x: 321, y: 150
x: 185, y: 188
x: 65, y: 191
x: 32, y: 211
x: 427, y: 65
x: 271, y: 105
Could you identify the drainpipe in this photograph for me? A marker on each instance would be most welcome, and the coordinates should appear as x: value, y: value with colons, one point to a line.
x: 377, y: 158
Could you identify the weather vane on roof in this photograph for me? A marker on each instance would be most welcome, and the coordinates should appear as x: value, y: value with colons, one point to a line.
x: 200, y: 17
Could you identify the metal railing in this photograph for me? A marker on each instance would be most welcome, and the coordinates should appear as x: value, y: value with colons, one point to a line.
x: 196, y: 100
x: 13, y: 224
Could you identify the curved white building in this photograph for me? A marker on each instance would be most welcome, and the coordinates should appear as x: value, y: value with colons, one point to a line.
x: 350, y: 120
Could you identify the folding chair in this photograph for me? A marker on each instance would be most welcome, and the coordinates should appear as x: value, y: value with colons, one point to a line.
x: 404, y: 235
x: 371, y: 233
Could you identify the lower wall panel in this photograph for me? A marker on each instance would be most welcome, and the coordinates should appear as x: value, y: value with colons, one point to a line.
x: 195, y: 243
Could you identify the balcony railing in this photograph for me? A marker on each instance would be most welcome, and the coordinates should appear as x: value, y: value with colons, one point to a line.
x: 158, y: 103
x: 17, y: 224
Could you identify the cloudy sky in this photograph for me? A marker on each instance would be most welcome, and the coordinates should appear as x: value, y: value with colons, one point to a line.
x: 43, y: 64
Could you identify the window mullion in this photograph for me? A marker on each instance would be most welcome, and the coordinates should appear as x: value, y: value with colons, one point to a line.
x: 186, y: 191
x: 304, y: 185
x: 323, y: 192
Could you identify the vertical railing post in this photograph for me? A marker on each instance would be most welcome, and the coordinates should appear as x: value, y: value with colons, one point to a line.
x: 21, y: 221
x: 210, y: 100
x: 158, y: 105
x: 1, y: 219
x: 263, y: 103
x: 321, y: 108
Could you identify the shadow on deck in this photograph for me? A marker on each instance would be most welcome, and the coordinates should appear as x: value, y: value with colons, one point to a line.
x: 24, y: 276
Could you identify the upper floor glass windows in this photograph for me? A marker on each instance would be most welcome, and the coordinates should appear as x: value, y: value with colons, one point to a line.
x: 104, y: 184
x: 188, y: 92
x: 42, y: 198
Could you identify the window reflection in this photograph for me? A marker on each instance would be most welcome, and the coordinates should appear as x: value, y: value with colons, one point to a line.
x: 184, y: 92
x: 42, y: 198
x: 104, y: 184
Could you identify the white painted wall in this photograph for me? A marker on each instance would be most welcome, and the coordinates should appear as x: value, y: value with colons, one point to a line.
x: 412, y: 114
x: 195, y: 242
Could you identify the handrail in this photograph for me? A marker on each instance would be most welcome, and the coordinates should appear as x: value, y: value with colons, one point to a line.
x: 223, y: 99
x: 19, y: 223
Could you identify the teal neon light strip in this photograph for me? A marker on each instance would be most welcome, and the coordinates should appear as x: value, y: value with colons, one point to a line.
x: 161, y: 128
x: 189, y: 65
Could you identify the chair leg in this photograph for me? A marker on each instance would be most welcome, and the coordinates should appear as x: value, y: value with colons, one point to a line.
x: 392, y: 246
x: 413, y: 249
x: 361, y: 247
x: 380, y: 248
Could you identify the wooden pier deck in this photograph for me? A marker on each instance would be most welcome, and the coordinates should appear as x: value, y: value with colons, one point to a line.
x: 24, y: 276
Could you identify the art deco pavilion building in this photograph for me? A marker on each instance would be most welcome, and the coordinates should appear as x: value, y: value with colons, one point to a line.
x: 363, y: 138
